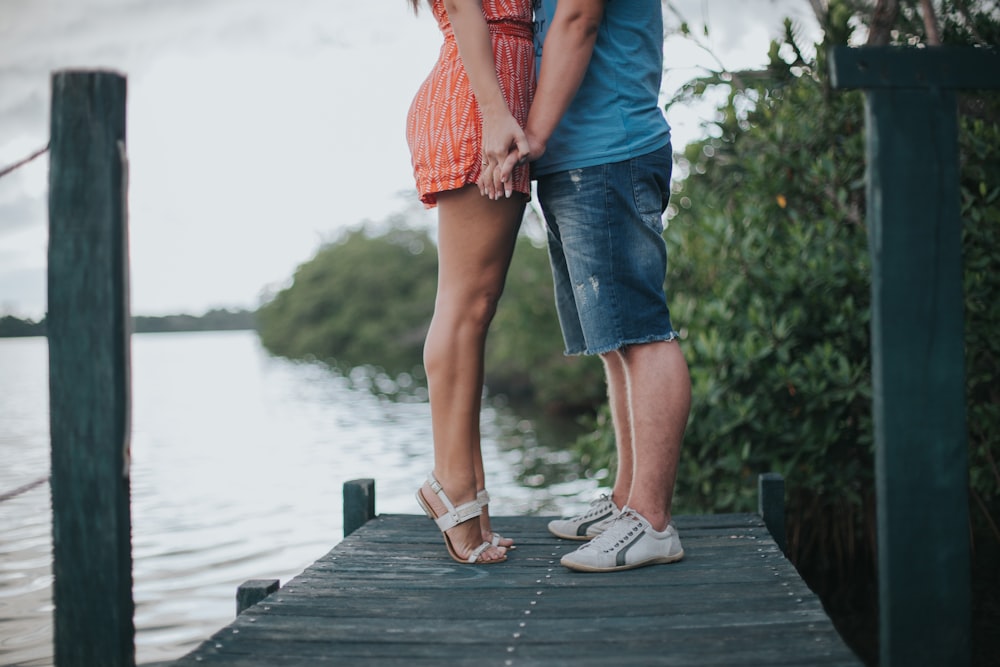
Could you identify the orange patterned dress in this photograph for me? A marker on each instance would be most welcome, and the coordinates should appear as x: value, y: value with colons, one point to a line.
x: 444, y: 125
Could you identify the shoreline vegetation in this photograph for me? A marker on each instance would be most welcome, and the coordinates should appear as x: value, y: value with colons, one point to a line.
x: 220, y: 319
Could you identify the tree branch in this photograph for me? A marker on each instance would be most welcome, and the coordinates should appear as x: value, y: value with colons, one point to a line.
x: 884, y: 18
x: 930, y: 23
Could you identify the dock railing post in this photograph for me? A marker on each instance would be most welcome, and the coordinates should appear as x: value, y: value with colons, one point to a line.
x: 252, y: 591
x: 359, y: 504
x: 917, y: 322
x: 89, y: 368
x: 771, y: 505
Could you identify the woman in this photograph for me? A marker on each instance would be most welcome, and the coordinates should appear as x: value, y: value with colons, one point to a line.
x: 468, y: 115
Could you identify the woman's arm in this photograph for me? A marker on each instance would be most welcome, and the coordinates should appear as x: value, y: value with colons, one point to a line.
x: 501, y: 132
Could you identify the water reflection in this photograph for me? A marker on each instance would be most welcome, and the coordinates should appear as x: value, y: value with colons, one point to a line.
x: 238, y: 465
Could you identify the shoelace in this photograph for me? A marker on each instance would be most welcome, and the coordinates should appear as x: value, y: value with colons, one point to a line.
x: 595, y: 505
x: 636, y: 526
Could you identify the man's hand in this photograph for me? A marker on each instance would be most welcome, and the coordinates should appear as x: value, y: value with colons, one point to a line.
x: 496, y: 177
x: 535, y: 150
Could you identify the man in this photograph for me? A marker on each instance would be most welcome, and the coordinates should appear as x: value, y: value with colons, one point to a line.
x: 602, y: 158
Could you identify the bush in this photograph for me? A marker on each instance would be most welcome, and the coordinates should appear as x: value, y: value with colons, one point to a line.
x: 524, y: 356
x: 770, y: 286
x: 365, y: 299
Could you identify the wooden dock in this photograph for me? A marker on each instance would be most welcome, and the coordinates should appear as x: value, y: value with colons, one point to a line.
x: 389, y: 595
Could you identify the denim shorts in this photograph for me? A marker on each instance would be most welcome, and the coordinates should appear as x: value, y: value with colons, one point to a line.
x: 609, y: 260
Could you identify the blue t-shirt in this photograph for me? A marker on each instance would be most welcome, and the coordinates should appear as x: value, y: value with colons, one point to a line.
x: 615, y: 115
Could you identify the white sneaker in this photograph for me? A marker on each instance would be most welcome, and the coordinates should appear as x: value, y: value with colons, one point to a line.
x: 629, y: 542
x: 579, y: 527
x: 596, y: 529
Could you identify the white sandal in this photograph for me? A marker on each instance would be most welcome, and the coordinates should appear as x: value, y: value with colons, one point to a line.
x: 453, y: 517
x: 483, y: 498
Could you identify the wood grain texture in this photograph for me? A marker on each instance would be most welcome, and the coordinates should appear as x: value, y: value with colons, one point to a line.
x: 894, y: 67
x: 89, y: 385
x: 389, y: 595
x: 918, y: 355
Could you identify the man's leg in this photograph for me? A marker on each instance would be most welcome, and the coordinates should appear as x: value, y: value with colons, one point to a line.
x: 659, y: 402
x: 621, y: 420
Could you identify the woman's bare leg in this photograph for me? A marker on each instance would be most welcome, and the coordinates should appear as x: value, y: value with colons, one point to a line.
x: 476, y: 237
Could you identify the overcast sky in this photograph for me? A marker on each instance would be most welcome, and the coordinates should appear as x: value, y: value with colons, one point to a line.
x: 256, y: 129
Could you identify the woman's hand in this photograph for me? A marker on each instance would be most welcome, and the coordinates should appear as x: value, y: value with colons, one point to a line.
x: 503, y: 139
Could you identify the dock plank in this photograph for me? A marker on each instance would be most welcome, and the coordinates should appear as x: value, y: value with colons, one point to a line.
x: 389, y: 595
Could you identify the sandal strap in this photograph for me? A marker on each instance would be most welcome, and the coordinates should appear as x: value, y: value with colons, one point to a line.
x: 454, y: 515
x: 478, y: 551
x: 483, y: 498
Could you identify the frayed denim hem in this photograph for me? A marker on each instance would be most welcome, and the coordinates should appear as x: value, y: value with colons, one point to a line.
x: 667, y: 337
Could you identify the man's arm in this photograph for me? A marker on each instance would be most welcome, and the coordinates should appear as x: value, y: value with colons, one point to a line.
x: 569, y: 43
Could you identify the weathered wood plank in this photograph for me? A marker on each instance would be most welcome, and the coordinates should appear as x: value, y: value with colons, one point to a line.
x: 771, y: 505
x: 359, y: 503
x: 734, y: 600
x: 613, y: 643
x: 253, y: 591
x: 884, y: 67
x: 88, y: 332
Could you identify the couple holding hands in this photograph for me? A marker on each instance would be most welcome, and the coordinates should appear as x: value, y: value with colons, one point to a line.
x: 565, y: 93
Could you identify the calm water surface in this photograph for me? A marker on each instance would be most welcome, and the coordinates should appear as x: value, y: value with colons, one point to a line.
x: 238, y: 464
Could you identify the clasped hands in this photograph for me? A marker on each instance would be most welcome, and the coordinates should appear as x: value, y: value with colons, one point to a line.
x: 496, y: 175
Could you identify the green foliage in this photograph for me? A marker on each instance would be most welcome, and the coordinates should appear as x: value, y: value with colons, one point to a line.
x: 596, y: 447
x: 14, y: 327
x: 774, y: 285
x: 524, y: 352
x: 770, y: 286
x: 970, y: 22
x: 980, y: 195
x: 219, y: 319
x: 367, y: 300
x: 364, y: 299
x: 980, y: 192
x: 771, y: 280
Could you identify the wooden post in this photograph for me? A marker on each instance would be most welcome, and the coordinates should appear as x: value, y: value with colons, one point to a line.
x: 359, y: 504
x: 771, y: 505
x: 918, y: 365
x: 252, y: 591
x: 89, y: 385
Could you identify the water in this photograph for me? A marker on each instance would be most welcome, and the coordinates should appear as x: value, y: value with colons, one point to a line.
x: 238, y: 465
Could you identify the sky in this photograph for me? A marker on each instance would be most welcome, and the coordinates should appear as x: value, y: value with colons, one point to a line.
x: 259, y: 130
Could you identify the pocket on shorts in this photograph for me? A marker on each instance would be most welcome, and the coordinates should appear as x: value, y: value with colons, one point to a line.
x: 651, y: 186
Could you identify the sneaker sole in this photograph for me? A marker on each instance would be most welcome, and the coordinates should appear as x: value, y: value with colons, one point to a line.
x: 575, y: 538
x: 659, y: 560
x: 587, y: 536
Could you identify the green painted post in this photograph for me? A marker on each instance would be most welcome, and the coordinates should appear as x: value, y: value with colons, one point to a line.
x: 88, y: 332
x: 771, y: 506
x: 918, y: 365
x: 359, y: 504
